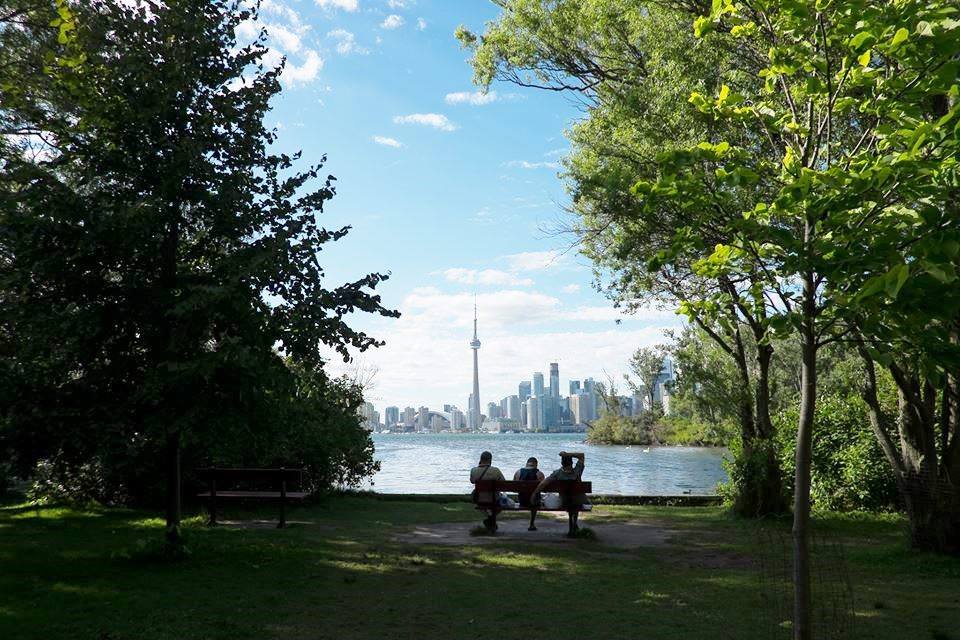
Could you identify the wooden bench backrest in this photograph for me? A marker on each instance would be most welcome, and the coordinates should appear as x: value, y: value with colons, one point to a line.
x: 250, y: 475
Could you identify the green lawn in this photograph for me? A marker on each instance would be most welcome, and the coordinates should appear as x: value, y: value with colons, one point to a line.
x: 68, y: 573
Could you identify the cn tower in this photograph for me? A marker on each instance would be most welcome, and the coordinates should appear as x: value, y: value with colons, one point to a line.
x: 475, y: 405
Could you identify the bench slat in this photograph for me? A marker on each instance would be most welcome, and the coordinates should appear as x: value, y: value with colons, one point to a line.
x: 235, y: 474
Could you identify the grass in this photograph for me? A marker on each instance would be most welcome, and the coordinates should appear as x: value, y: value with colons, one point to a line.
x: 338, y: 573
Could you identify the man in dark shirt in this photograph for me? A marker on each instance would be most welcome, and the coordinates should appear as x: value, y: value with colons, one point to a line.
x: 529, y: 473
x: 574, y: 501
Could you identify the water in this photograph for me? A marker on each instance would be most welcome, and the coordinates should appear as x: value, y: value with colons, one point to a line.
x: 441, y: 463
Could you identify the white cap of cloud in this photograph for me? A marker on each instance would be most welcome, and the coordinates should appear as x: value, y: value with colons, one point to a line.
x: 435, y: 120
x: 346, y: 5
x: 475, y: 98
x: 393, y: 21
x: 486, y: 277
x: 388, y: 142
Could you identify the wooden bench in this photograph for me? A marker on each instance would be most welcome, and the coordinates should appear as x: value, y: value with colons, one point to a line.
x: 252, y: 484
x: 566, y: 489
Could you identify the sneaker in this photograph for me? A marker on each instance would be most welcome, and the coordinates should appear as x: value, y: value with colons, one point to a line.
x: 531, y: 528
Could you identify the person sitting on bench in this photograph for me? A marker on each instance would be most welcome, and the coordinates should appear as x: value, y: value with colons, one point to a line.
x: 530, y: 473
x: 573, y: 501
x: 485, y: 471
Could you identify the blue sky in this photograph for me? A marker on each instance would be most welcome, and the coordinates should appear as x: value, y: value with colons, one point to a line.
x: 456, y: 194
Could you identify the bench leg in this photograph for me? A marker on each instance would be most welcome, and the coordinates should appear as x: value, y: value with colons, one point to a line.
x: 213, y: 510
x: 283, y: 514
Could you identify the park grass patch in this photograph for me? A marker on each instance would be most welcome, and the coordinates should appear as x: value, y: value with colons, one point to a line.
x: 338, y: 572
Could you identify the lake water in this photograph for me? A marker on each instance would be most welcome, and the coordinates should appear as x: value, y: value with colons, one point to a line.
x: 441, y: 463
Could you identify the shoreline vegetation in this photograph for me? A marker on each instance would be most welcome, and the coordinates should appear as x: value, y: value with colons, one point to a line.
x: 654, y: 429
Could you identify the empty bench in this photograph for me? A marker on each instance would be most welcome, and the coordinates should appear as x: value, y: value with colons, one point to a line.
x: 566, y: 488
x: 252, y: 484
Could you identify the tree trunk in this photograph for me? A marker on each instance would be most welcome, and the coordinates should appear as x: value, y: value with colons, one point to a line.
x: 772, y: 501
x: 173, y: 489
x: 802, y: 605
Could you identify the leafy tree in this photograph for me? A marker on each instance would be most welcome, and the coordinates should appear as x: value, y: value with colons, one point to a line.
x: 634, y: 64
x: 856, y: 160
x: 161, y: 280
x: 646, y: 363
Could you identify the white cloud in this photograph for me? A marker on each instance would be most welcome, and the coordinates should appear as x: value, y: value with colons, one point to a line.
x: 493, y: 277
x: 421, y: 24
x: 397, y: 4
x: 475, y: 98
x: 435, y: 120
x: 393, y: 21
x: 307, y: 71
x: 388, y: 142
x: 555, y: 152
x: 523, y: 164
x: 347, y: 43
x: 287, y: 39
x: 534, y: 260
x: 346, y: 5
x: 572, y: 288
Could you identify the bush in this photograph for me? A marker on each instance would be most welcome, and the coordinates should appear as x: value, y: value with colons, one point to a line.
x: 615, y: 429
x: 848, y: 470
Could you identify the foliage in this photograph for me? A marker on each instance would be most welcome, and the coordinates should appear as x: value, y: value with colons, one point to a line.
x: 161, y: 284
x: 646, y: 363
x: 849, y: 472
x: 612, y: 428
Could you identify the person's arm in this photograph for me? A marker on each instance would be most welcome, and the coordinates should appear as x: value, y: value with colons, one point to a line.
x: 540, y: 487
x: 516, y: 475
x: 498, y: 475
x: 540, y: 475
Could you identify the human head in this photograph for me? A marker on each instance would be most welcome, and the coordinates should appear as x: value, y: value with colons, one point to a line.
x: 566, y: 461
x: 532, y: 462
x: 486, y: 457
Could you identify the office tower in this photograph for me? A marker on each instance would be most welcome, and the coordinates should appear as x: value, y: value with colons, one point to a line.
x: 554, y: 379
x: 523, y: 391
x: 423, y: 421
x: 504, y: 406
x: 574, y: 387
x: 523, y: 412
x: 590, y: 388
x: 409, y: 417
x: 538, y: 384
x: 369, y: 416
x: 391, y: 416
x: 493, y: 410
x: 447, y: 408
x: 513, y: 407
x: 534, y: 414
x: 457, y: 420
x: 475, y: 397
x: 473, y: 421
x: 581, y: 408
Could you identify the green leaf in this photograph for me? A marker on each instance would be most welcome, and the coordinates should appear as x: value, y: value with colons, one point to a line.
x: 864, y: 58
x: 899, y: 37
x: 895, y: 279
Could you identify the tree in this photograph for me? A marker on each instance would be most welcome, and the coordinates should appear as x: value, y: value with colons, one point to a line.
x: 840, y: 134
x: 634, y: 64
x: 161, y: 262
x: 646, y: 363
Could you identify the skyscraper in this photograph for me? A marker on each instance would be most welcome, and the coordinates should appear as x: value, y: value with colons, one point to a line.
x: 513, y: 407
x: 475, y: 398
x: 538, y: 384
x: 391, y: 416
x: 534, y: 414
x: 523, y: 391
x: 554, y: 379
x: 574, y: 387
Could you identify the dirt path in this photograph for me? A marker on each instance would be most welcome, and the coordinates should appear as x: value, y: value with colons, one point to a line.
x: 551, y: 529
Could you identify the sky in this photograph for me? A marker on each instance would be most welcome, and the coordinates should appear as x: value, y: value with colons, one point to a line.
x: 453, y: 192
